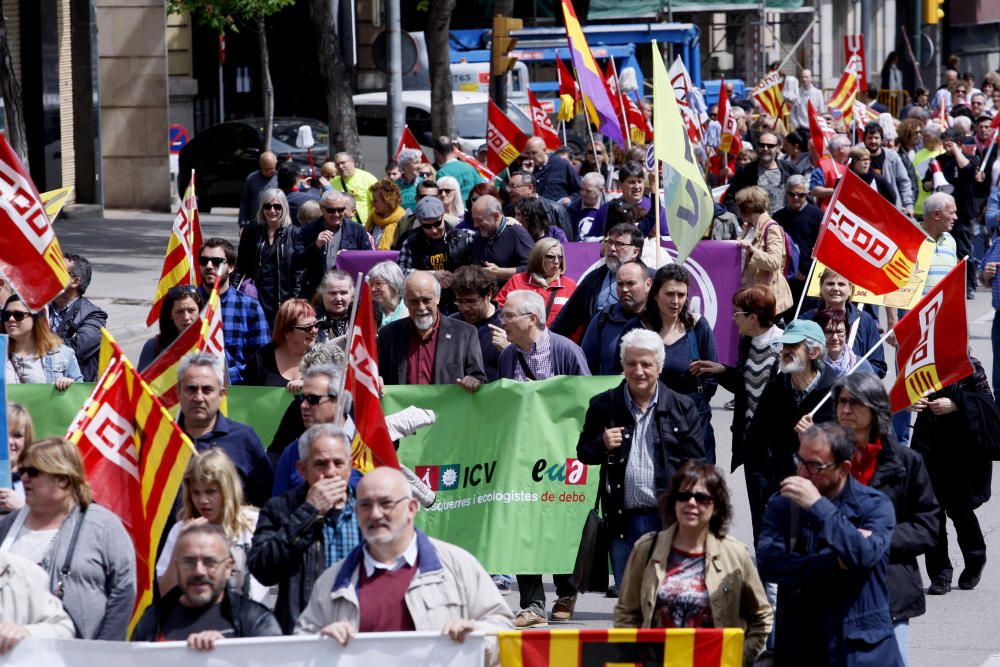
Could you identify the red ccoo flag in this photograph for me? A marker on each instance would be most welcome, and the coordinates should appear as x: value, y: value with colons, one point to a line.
x: 933, y: 342
x: 30, y: 256
x: 504, y: 141
x: 372, y: 445
x: 866, y: 239
x: 820, y: 132
x: 407, y: 141
x: 542, y: 124
x: 730, y: 131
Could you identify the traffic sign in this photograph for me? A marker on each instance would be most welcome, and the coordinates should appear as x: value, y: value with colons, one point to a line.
x: 178, y: 138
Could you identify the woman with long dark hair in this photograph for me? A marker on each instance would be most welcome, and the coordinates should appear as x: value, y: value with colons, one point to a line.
x: 181, y: 307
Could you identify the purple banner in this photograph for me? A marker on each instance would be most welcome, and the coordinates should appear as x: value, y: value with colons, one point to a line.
x: 361, y: 261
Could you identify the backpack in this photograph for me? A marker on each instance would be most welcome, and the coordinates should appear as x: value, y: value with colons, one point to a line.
x: 792, y: 254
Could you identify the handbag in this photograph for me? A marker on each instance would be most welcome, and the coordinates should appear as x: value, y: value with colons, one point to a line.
x: 590, y: 572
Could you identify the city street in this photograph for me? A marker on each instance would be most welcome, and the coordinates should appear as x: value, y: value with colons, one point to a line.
x: 127, y: 247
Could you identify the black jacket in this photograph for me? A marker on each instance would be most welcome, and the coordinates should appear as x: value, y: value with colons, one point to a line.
x: 81, y: 330
x: 732, y: 379
x: 901, y: 475
x: 746, y: 177
x: 677, y: 432
x: 249, y: 618
x: 353, y: 237
x: 288, y: 242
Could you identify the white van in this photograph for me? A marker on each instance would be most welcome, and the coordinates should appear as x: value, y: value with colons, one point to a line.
x: 470, y: 122
x: 475, y: 77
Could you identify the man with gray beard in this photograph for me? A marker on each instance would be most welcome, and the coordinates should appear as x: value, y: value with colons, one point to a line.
x: 773, y: 435
x: 426, y: 348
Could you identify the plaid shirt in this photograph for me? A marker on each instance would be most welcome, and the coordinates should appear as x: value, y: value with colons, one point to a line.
x: 341, y: 533
x: 640, y: 484
x: 244, y: 329
x: 539, y: 359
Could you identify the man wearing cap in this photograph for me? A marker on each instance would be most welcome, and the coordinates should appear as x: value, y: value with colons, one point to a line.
x: 434, y: 245
x: 773, y: 436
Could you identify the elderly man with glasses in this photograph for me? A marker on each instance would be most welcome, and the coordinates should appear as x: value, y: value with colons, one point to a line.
x: 801, y: 220
x: 325, y: 238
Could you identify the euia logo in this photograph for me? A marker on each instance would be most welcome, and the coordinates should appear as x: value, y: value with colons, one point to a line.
x: 571, y: 472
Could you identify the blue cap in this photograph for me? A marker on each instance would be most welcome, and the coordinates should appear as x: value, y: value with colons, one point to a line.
x: 799, y: 330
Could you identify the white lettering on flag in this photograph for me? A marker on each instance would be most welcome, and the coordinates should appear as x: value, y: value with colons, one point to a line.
x: 869, y: 243
x: 112, y: 435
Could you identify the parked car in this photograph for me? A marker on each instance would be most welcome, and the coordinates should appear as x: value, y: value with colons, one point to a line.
x: 225, y: 154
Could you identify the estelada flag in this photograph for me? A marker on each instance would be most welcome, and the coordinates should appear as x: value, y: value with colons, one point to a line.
x: 504, y: 141
x: 866, y: 239
x: 372, y: 445
x: 673, y: 647
x: 933, y: 342
x: 134, y: 456
x: 30, y: 256
x: 543, y: 126
x: 407, y: 141
x: 180, y: 266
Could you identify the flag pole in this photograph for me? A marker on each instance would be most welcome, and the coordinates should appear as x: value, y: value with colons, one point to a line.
x: 989, y: 151
x: 855, y: 367
x: 590, y: 130
x: 562, y: 128
x: 656, y: 207
x: 341, y: 403
x: 805, y: 288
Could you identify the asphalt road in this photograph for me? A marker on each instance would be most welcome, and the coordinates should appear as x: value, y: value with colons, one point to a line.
x: 958, y: 630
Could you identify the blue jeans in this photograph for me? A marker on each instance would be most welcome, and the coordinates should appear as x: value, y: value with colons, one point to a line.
x: 637, y: 524
x: 902, y: 631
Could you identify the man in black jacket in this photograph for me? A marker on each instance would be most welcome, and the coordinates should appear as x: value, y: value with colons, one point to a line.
x: 326, y: 237
x: 203, y: 608
x: 77, y: 320
x: 766, y: 171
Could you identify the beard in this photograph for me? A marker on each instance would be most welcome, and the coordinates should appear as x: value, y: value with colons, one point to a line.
x: 796, y: 365
x: 423, y: 322
x: 198, y: 598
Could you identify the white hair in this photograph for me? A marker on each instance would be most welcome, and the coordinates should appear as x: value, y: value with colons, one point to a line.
x: 389, y: 273
x: 593, y: 179
x: 458, y: 206
x: 963, y: 123
x: 936, y: 202
x: 202, y: 359
x: 529, y: 303
x: 267, y: 197
x: 645, y: 340
x: 317, y: 431
x: 409, y: 156
x: 331, y: 195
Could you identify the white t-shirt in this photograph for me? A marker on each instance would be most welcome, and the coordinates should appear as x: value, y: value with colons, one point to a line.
x: 33, y: 544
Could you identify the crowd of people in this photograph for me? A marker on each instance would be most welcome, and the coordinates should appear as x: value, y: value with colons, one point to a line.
x: 843, y: 494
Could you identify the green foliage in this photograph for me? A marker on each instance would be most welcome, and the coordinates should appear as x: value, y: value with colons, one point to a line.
x: 222, y: 15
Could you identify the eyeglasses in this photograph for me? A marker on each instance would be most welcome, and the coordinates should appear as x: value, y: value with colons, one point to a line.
x: 307, y: 328
x: 961, y: 91
x: 797, y: 195
x: 507, y: 317
x: 214, y: 261
x: 432, y: 225
x: 316, y: 399
x: 616, y: 245
x: 447, y: 189
x: 191, y: 562
x: 844, y: 402
x: 272, y: 207
x: 699, y: 497
x: 839, y: 333
x: 331, y: 210
x: 18, y: 315
x: 425, y: 174
x: 31, y: 472
x: 740, y: 312
x: 384, y: 504
x: 553, y: 258
x: 767, y: 145
x: 812, y: 467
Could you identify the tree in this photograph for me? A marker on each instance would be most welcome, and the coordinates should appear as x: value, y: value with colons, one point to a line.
x: 13, y: 102
x: 438, y: 39
x: 223, y: 15
x: 337, y: 79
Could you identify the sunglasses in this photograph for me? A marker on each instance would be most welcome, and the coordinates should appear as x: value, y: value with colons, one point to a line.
x: 797, y: 195
x: 307, y: 328
x: 431, y: 225
x: 214, y: 261
x: 425, y: 174
x: 700, y: 498
x: 316, y: 399
x: 447, y: 189
x: 331, y: 210
x: 767, y: 145
x: 553, y: 258
x: 31, y: 472
x: 182, y: 289
x: 18, y: 315
x: 272, y: 207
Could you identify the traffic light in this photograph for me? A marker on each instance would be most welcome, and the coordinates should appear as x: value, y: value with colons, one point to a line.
x: 933, y: 12
x: 501, y: 60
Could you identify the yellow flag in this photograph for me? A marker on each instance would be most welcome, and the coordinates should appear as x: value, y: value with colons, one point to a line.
x: 54, y: 200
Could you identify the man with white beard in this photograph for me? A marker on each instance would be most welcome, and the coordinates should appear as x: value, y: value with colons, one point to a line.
x: 426, y: 348
x: 773, y: 435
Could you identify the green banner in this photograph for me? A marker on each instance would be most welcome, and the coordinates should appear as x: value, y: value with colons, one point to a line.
x: 503, y: 464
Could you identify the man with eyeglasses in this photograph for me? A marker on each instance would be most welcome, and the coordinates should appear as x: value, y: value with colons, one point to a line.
x: 355, y: 182
x: 264, y: 178
x: 203, y: 608
x: 435, y: 245
x: 76, y: 319
x: 523, y: 185
x: 767, y: 171
x: 801, y: 221
x: 325, y: 238
x: 399, y: 579
x: 308, y: 528
x: 244, y: 326
x: 825, y: 542
x: 773, y: 434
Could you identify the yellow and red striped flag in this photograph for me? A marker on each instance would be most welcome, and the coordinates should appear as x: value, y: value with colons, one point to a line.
x: 768, y: 94
x: 477, y: 165
x: 683, y: 647
x: 180, y: 266
x: 134, y: 456
x: 504, y: 141
x: 844, y: 95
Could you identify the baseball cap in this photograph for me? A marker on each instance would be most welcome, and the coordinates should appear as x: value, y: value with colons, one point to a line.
x: 799, y: 330
x: 429, y: 208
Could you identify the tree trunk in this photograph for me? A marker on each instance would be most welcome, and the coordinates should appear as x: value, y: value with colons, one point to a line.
x: 267, y: 88
x: 439, y: 62
x: 13, y: 102
x: 337, y: 79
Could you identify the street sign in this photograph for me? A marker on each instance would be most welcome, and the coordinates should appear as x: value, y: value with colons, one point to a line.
x: 650, y: 158
x: 178, y: 138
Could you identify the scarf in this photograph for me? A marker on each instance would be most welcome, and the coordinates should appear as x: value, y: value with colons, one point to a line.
x: 383, y: 230
x: 845, y: 363
x: 865, y: 461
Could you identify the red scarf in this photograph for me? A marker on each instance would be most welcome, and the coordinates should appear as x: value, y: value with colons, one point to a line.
x: 865, y: 460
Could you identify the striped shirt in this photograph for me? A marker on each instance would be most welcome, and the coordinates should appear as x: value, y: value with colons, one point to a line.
x: 945, y: 258
x: 640, y: 486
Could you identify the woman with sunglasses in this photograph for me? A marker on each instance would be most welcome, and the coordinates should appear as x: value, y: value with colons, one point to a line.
x: 20, y: 435
x: 543, y: 275
x: 693, y: 574
x: 82, y: 546
x: 270, y: 253
x: 211, y: 492
x: 451, y: 197
x: 277, y: 363
x: 35, y: 355
x: 181, y: 307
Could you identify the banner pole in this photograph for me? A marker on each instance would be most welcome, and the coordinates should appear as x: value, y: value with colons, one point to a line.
x: 656, y: 207
x: 341, y: 403
x: 621, y: 105
x: 993, y: 141
x: 805, y: 289
x: 857, y: 364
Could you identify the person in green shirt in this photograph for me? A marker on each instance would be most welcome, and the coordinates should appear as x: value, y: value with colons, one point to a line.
x: 355, y: 182
x: 450, y: 165
x: 409, y: 165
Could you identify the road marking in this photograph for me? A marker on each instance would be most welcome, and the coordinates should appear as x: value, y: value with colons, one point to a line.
x: 992, y: 661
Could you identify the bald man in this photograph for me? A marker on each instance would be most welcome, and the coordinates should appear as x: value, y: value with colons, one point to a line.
x: 555, y: 178
x: 426, y: 348
x: 264, y: 178
x: 399, y: 579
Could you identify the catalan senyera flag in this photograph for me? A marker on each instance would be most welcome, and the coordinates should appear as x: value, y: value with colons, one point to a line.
x: 30, y: 256
x: 841, y: 102
x: 768, y: 94
x: 372, y: 445
x: 477, y: 165
x: 933, y: 342
x: 543, y: 126
x: 595, y: 95
x: 730, y: 131
x: 866, y: 239
x: 569, y: 93
x: 820, y: 132
x: 686, y: 197
x: 134, y: 456
x: 504, y: 141
x: 180, y: 266
x: 407, y: 141
x: 673, y: 647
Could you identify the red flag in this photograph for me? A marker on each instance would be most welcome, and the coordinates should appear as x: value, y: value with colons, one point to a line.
x: 866, y: 239
x: 730, y: 131
x: 504, y: 141
x: 819, y: 132
x: 407, y: 141
x: 611, y: 86
x: 933, y: 342
x: 372, y: 445
x: 542, y: 124
x: 567, y: 84
x: 30, y: 256
x: 639, y: 128
x: 477, y: 165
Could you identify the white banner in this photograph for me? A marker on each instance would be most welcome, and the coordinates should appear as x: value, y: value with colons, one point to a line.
x: 384, y: 649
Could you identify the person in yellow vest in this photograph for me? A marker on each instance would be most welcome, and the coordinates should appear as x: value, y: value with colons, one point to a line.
x: 931, y: 136
x: 355, y: 182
